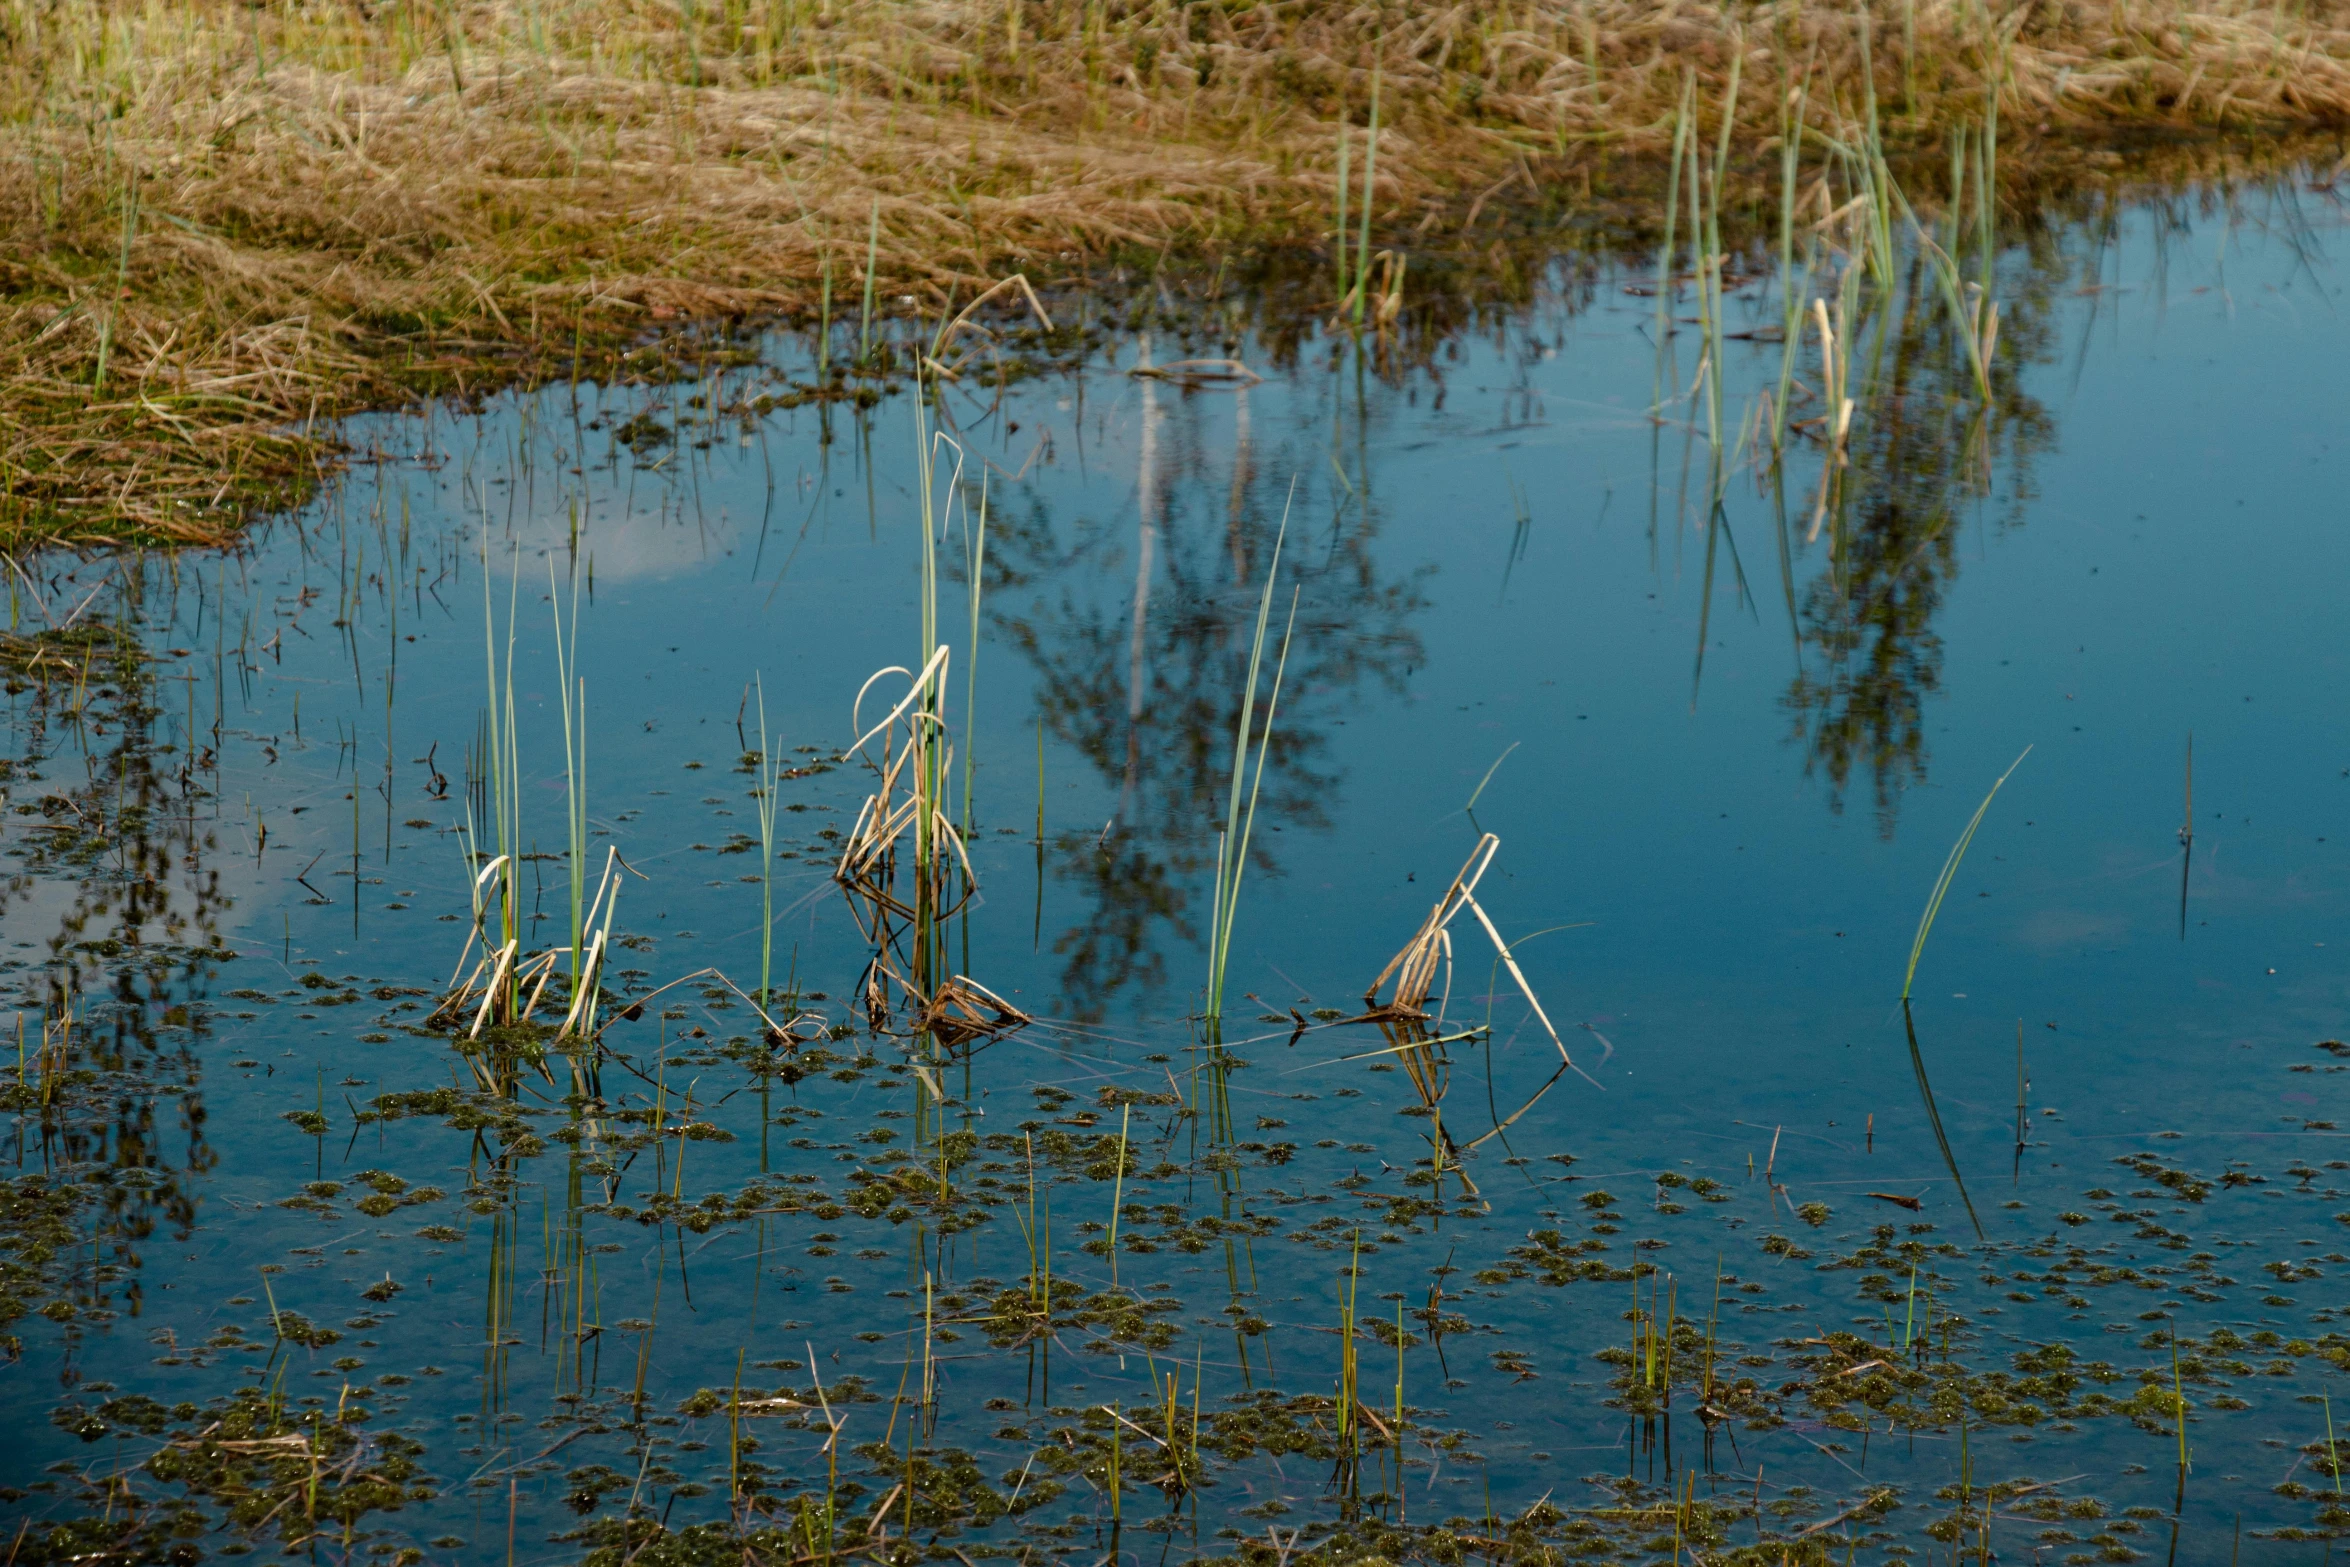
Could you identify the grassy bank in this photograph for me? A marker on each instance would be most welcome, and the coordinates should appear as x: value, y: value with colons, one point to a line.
x: 227, y: 224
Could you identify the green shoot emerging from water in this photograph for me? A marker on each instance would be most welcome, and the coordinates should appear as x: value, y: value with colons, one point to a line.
x: 1232, y: 847
x: 1917, y: 946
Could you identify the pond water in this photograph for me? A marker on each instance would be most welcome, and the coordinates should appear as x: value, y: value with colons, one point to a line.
x: 1777, y: 1267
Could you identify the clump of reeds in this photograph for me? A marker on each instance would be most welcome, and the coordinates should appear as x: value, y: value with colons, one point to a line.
x: 1414, y: 969
x: 905, y: 825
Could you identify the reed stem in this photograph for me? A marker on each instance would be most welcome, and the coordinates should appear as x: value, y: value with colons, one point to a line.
x: 1232, y: 848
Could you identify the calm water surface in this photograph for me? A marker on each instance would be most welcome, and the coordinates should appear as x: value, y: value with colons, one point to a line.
x: 1725, y: 753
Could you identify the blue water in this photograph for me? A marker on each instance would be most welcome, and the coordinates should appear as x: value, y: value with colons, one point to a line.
x: 1725, y: 757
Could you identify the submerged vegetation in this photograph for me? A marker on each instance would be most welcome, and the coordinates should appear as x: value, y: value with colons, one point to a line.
x: 230, y: 223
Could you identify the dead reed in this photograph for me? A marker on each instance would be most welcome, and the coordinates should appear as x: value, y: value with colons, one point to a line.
x: 228, y: 223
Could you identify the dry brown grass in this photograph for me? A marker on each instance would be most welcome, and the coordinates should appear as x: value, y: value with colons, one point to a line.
x: 334, y: 204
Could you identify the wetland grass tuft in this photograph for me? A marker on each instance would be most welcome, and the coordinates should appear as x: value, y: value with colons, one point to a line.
x: 1415, y: 968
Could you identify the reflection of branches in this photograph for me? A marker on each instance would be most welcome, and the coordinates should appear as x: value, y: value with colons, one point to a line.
x: 1921, y: 454
x: 1145, y: 688
x: 135, y: 936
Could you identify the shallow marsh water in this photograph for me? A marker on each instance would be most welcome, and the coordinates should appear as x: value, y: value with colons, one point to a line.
x: 291, y: 1285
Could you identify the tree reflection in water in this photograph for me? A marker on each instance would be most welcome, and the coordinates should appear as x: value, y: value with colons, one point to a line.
x: 1924, y: 455
x: 1144, y: 682
x: 1147, y: 688
x: 117, y: 869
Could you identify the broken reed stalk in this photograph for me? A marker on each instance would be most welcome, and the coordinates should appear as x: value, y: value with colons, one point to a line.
x: 1917, y: 945
x: 1414, y: 968
x: 1646, y: 1325
x: 1835, y: 371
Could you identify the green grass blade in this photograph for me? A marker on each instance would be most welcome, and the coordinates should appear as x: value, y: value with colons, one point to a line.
x: 1227, y: 867
x: 1917, y: 946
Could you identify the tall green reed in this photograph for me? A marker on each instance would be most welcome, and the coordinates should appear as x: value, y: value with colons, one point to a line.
x: 927, y: 721
x: 574, y: 699
x: 1666, y: 288
x: 1709, y: 272
x: 1232, y: 846
x: 498, y: 793
x: 975, y: 568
